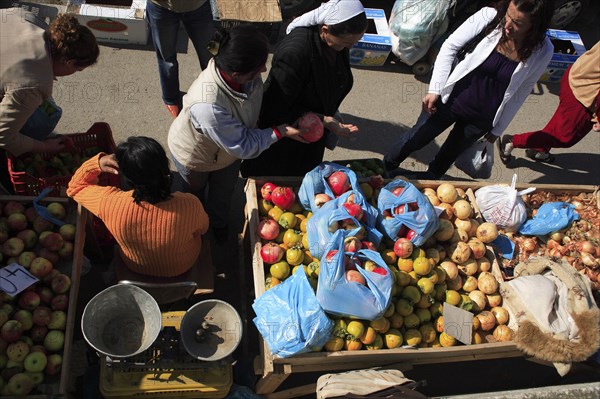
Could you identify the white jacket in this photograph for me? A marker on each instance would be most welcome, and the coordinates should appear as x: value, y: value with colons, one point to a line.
x: 526, y: 74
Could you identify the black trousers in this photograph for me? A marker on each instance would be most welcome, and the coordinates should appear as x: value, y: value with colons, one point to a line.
x: 463, y: 135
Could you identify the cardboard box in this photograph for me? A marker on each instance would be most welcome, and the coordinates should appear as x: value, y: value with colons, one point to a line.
x: 246, y: 10
x: 567, y: 48
x: 113, y: 21
x: 376, y: 44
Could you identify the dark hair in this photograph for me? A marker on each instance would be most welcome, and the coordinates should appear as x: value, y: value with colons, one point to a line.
x: 241, y: 49
x: 144, y: 164
x: 70, y: 40
x: 355, y: 25
x: 539, y: 13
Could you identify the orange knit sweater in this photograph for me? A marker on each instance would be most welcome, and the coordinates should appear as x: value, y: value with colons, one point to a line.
x: 163, y: 239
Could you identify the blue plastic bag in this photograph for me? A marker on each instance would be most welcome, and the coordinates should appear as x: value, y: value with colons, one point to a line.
x: 351, y: 299
x: 423, y: 221
x: 550, y: 217
x: 321, y: 226
x: 290, y: 319
x: 315, y: 182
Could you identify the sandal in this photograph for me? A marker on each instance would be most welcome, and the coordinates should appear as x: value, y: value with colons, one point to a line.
x: 540, y: 156
x: 505, y: 148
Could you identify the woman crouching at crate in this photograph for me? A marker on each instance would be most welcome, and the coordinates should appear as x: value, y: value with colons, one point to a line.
x: 159, y: 233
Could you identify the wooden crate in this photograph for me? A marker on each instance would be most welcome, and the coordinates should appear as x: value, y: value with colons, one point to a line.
x: 274, y: 371
x: 76, y: 215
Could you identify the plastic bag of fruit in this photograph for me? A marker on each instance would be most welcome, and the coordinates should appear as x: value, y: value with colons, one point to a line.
x: 290, y: 319
x: 406, y: 212
x: 327, y: 178
x: 356, y: 218
x: 502, y: 205
x: 353, y: 284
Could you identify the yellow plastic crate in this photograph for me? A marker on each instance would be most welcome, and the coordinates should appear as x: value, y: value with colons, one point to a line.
x: 213, y: 381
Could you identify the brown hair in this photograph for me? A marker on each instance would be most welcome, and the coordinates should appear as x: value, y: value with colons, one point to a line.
x: 540, y: 15
x: 70, y: 40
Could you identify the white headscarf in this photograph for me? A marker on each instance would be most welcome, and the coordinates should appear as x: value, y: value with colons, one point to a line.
x: 330, y: 13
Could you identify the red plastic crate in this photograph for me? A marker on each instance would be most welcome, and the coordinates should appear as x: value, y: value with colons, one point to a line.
x: 99, y: 135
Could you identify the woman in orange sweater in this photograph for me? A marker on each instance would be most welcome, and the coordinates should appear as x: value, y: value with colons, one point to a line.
x: 159, y: 233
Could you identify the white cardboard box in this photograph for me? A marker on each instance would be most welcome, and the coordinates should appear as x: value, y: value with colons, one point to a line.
x: 113, y: 23
x: 567, y: 48
x: 374, y: 48
x: 246, y: 10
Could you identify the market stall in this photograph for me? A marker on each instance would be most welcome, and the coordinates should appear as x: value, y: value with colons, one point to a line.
x: 486, y: 343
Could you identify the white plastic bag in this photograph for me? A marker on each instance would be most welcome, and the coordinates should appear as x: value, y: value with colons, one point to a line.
x: 502, y: 205
x: 417, y: 24
x: 477, y: 160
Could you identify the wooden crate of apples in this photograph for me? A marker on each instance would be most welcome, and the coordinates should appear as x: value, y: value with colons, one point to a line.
x: 454, y: 266
x: 36, y: 324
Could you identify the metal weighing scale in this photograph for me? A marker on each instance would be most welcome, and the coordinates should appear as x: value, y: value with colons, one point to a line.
x: 190, y: 357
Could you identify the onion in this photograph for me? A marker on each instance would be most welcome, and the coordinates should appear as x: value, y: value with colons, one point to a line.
x: 586, y: 246
x: 487, y: 283
x: 529, y: 244
x: 494, y: 300
x: 577, y: 204
x: 557, y: 236
x: 501, y: 314
x: 588, y: 259
x: 503, y: 333
x: 551, y: 244
x: 555, y: 253
x: 566, y: 240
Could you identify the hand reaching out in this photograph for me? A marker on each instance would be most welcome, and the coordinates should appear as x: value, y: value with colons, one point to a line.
x: 292, y: 133
x: 338, y: 128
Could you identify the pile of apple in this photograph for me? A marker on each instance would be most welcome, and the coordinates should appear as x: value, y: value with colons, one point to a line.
x: 32, y: 324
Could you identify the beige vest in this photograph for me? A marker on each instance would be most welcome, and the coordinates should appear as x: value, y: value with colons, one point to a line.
x: 192, y: 148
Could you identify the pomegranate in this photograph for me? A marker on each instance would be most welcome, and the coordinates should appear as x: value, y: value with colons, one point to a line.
x: 268, y: 229
x: 283, y: 197
x: 266, y: 190
x: 355, y: 276
x: 314, y: 126
x: 410, y: 234
x: 403, y: 248
x: 338, y: 182
x: 271, y: 253
x: 321, y: 198
x: 354, y: 210
x: 397, y: 191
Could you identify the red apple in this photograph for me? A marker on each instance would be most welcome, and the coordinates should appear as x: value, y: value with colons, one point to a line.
x: 67, y: 231
x: 403, y: 248
x: 61, y: 284
x: 45, y: 293
x: 60, y: 302
x: 48, y: 279
x: 38, y: 333
x: 3, y: 235
x: 24, y: 317
x: 352, y: 244
x: 54, y: 364
x: 321, y: 198
x: 30, y: 214
x: 41, y: 267
x: 40, y: 225
x: 355, y: 276
x: 25, y: 259
x: 41, y: 316
x: 50, y: 255
x: 368, y: 245
x: 13, y: 247
x: 52, y: 241
x: 57, y: 210
x: 17, y: 222
x: 38, y: 347
x: 29, y: 300
x: 29, y: 238
x: 13, y: 207
x: 11, y: 331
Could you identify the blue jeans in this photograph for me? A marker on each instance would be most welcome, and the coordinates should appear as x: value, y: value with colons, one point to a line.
x: 164, y: 25
x: 214, y: 189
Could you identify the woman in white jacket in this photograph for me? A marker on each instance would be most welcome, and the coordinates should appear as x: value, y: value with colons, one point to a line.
x: 484, y: 91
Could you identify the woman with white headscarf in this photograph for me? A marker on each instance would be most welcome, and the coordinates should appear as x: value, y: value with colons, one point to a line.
x: 310, y: 72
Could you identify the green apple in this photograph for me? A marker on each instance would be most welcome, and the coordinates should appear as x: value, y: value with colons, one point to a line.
x: 58, y: 320
x: 54, y: 364
x: 67, y: 231
x: 20, y: 384
x: 54, y: 340
x: 35, y: 362
x: 37, y: 378
x: 3, y: 361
